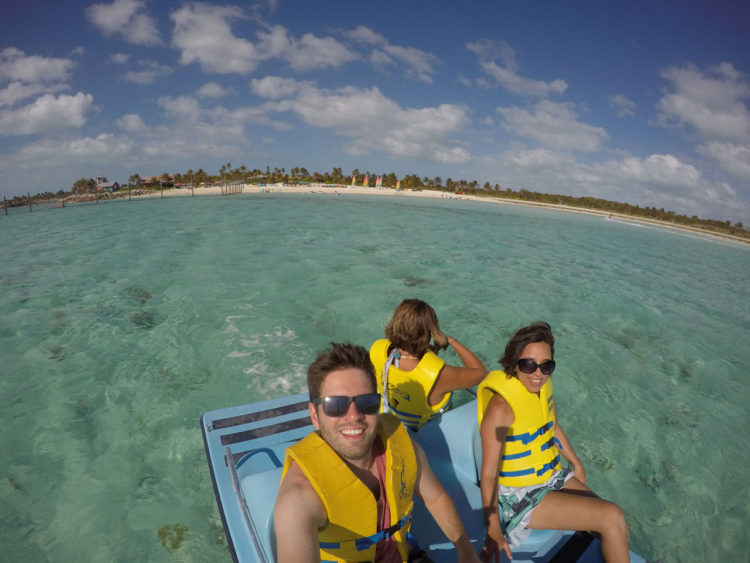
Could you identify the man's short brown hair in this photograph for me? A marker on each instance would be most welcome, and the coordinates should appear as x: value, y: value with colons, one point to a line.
x: 338, y: 356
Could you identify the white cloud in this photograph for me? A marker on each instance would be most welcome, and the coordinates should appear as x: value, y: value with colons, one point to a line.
x: 622, y: 105
x: 47, y: 113
x: 663, y: 170
x: 119, y: 58
x: 17, y: 91
x: 554, y: 125
x: 212, y: 90
x: 367, y: 36
x: 419, y: 64
x: 507, y: 76
x: 149, y: 72
x: 126, y: 18
x: 732, y: 158
x: 203, y: 34
x: 710, y: 102
x: 370, y: 120
x: 659, y: 180
x: 511, y: 81
x: 16, y: 65
x: 181, y: 108
x: 312, y: 52
x: 131, y: 122
x: 275, y: 87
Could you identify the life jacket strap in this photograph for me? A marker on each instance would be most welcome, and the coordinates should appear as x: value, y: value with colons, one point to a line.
x: 369, y: 541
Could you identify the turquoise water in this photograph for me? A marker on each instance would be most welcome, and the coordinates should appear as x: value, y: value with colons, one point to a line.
x: 121, y: 323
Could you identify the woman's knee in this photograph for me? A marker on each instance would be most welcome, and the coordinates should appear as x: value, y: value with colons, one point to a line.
x: 613, y: 520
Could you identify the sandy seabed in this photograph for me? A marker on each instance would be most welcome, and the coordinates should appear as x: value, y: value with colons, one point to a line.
x: 390, y: 192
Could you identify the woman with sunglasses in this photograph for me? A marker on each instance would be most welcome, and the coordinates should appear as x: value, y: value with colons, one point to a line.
x: 416, y: 385
x: 523, y: 484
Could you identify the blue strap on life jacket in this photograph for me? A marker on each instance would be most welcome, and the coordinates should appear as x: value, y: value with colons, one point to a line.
x: 527, y: 453
x: 369, y: 541
x: 527, y: 437
x: 549, y: 466
x: 519, y: 473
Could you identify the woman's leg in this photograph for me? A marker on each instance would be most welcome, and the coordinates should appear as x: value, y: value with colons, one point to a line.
x: 576, y: 507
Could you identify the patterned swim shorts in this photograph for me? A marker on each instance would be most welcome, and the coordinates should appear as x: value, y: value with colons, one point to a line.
x: 517, y: 503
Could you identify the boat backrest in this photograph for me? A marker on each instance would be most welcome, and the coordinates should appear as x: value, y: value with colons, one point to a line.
x: 455, y: 437
x: 476, y: 450
x: 260, y: 490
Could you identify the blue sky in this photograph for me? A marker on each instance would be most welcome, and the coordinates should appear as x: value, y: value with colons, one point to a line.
x: 645, y: 102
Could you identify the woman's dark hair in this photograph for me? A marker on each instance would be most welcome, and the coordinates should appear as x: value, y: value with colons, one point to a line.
x: 537, y: 332
x: 338, y: 356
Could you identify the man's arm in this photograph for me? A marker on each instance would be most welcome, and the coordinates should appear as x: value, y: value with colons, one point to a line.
x: 297, y: 516
x: 442, y: 509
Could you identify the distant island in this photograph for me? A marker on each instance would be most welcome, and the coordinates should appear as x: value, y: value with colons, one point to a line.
x: 229, y: 180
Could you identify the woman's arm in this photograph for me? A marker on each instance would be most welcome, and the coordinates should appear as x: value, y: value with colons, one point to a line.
x: 497, y: 419
x: 567, y: 451
x: 452, y: 378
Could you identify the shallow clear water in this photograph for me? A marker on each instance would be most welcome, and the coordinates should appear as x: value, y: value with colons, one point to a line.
x: 121, y: 323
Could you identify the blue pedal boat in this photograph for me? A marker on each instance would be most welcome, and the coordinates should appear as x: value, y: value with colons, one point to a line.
x: 245, y: 450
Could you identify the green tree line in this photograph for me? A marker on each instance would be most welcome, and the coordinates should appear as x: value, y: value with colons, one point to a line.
x: 300, y: 175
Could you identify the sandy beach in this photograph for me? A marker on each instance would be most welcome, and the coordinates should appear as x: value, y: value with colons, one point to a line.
x: 390, y: 192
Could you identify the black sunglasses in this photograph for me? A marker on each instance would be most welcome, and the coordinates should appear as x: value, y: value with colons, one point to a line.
x: 529, y: 366
x: 338, y: 405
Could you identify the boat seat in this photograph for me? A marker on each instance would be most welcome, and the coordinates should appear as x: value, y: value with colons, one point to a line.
x: 259, y: 491
x: 457, y: 462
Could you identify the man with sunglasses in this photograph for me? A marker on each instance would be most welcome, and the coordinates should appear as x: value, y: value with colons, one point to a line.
x: 522, y: 481
x: 347, y: 489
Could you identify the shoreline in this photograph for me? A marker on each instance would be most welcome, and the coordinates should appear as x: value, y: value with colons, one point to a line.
x: 390, y: 192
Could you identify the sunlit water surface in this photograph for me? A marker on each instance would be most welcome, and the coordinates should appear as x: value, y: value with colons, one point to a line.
x: 121, y: 323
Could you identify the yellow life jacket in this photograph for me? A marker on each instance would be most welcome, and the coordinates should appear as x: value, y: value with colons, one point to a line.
x: 530, y: 453
x: 351, y: 532
x: 408, y: 391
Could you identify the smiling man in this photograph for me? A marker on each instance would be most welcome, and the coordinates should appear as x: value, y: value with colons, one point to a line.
x: 347, y: 489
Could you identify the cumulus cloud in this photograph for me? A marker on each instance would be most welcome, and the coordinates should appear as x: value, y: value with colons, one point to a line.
x: 507, y: 75
x: 149, y: 71
x: 663, y: 170
x: 312, y: 52
x: 658, y: 180
x: 663, y: 180
x: 709, y: 102
x: 418, y: 64
x: 622, y: 105
x: 370, y: 120
x: 276, y: 87
x: 46, y: 113
x: 127, y: 18
x: 732, y: 158
x: 132, y: 123
x: 119, y: 58
x: 553, y: 125
x: 204, y: 35
x: 15, y: 65
x: 212, y: 90
x: 17, y: 91
x: 363, y: 34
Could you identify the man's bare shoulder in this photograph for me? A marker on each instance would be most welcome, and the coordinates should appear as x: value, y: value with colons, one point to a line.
x: 297, y: 498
